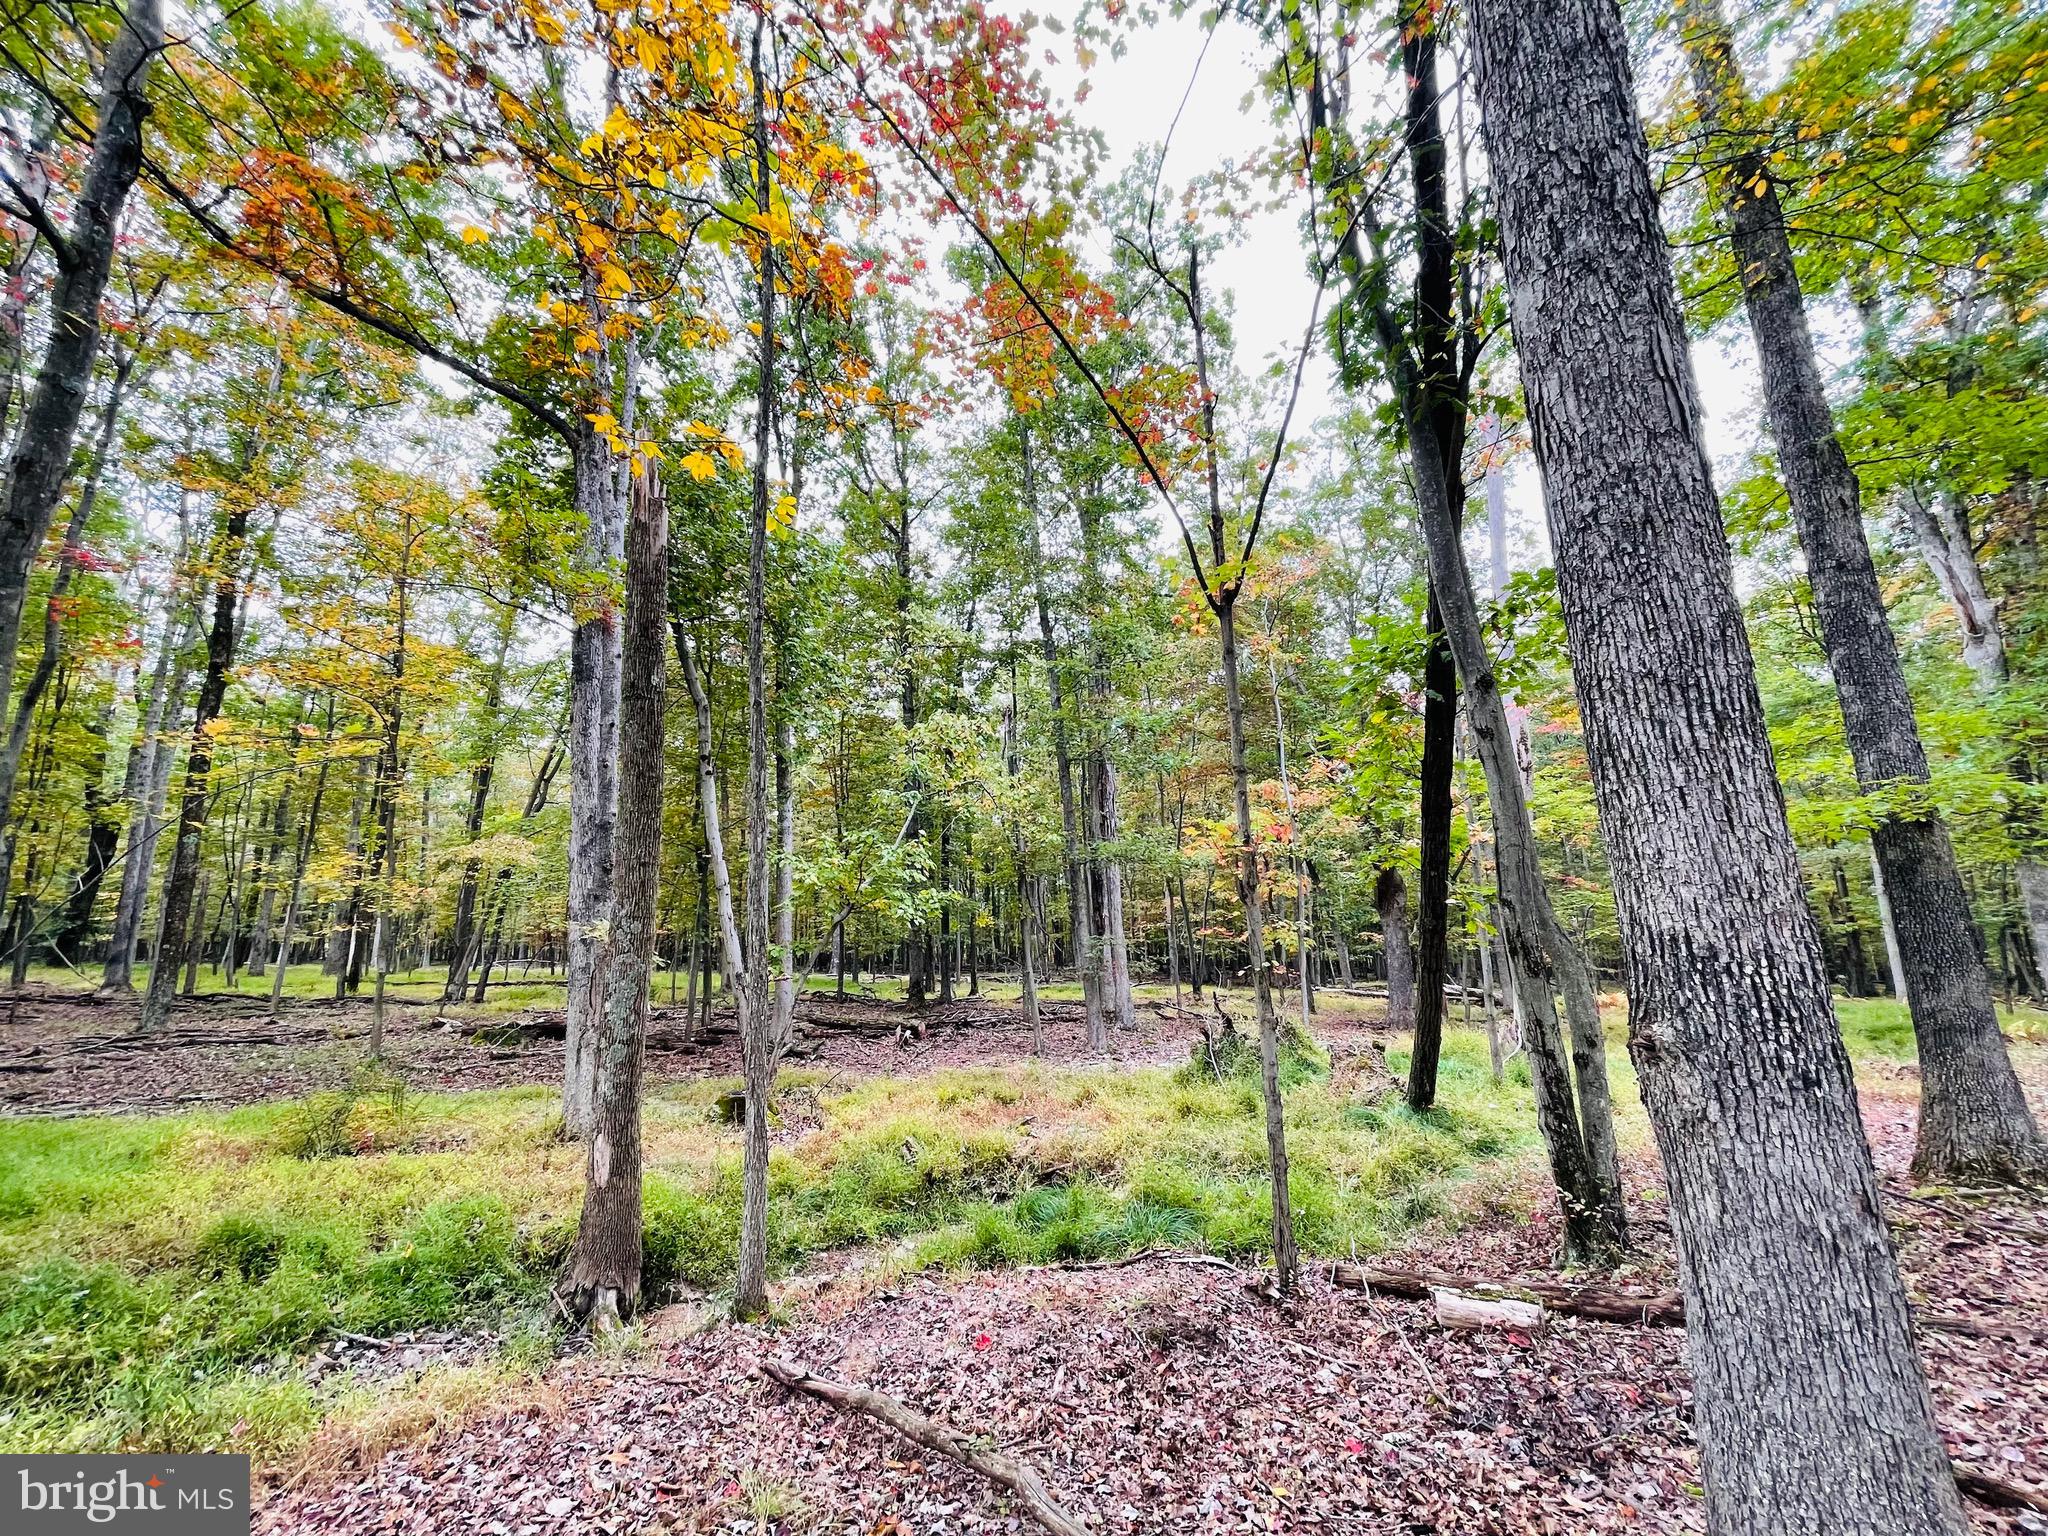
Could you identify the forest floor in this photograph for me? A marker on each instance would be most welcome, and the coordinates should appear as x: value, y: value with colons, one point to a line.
x: 70, y: 1051
x: 1028, y: 1252
x: 1165, y: 1395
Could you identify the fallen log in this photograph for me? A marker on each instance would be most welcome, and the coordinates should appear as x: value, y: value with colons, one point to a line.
x: 1996, y: 1491
x: 1455, y: 1309
x: 850, y: 1397
x: 1602, y: 1304
x: 1653, y: 1309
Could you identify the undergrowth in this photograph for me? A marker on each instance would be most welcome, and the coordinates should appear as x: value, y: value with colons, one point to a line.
x: 162, y: 1280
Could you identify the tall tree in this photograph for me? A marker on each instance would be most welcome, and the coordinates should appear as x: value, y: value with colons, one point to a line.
x: 1974, y: 1120
x: 1812, y: 1412
x: 33, y: 482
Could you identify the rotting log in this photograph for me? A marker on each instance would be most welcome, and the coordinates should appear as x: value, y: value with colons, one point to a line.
x: 1455, y: 1309
x: 1006, y: 1472
x: 1605, y: 1304
x: 1601, y: 1304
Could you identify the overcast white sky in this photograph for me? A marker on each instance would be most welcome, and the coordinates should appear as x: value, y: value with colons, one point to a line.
x: 1131, y: 102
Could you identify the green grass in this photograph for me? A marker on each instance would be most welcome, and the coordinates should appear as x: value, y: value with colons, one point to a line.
x: 160, y: 1278
x: 1881, y: 1027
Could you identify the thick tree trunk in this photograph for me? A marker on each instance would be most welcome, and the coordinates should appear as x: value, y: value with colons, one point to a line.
x: 603, y: 1280
x: 1974, y: 1120
x: 1811, y: 1409
x: 593, y: 787
x: 41, y: 460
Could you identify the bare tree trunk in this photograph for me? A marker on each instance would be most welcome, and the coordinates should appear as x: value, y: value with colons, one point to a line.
x: 593, y: 788
x: 177, y: 916
x: 1432, y: 919
x: 603, y: 1279
x: 462, y: 941
x: 1027, y: 978
x: 84, y: 252
x: 1080, y: 886
x: 1811, y: 1409
x: 757, y: 1044
x: 145, y: 784
x: 1974, y: 1120
x: 308, y: 838
x: 1390, y: 893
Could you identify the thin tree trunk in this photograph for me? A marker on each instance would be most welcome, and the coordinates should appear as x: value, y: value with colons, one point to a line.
x: 1974, y: 1120
x: 757, y: 1045
x: 1432, y: 918
x: 1080, y: 887
x: 176, y: 913
x: 1223, y: 603
x: 1811, y: 1409
x: 463, y: 943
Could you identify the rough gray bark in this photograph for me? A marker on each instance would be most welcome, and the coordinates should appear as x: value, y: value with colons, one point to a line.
x: 594, y: 661
x: 1811, y: 1409
x: 84, y: 253
x: 603, y: 1278
x: 1974, y: 1120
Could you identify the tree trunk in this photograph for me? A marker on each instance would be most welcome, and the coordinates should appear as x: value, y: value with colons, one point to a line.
x: 757, y: 1045
x: 54, y: 609
x: 1390, y: 895
x: 1285, y: 1261
x: 1974, y: 1120
x: 463, y: 941
x: 1811, y: 1410
x: 603, y: 1280
x: 593, y: 788
x: 176, y: 915
x: 1081, y: 899
x: 144, y: 785
x: 1432, y: 920
x: 84, y: 252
